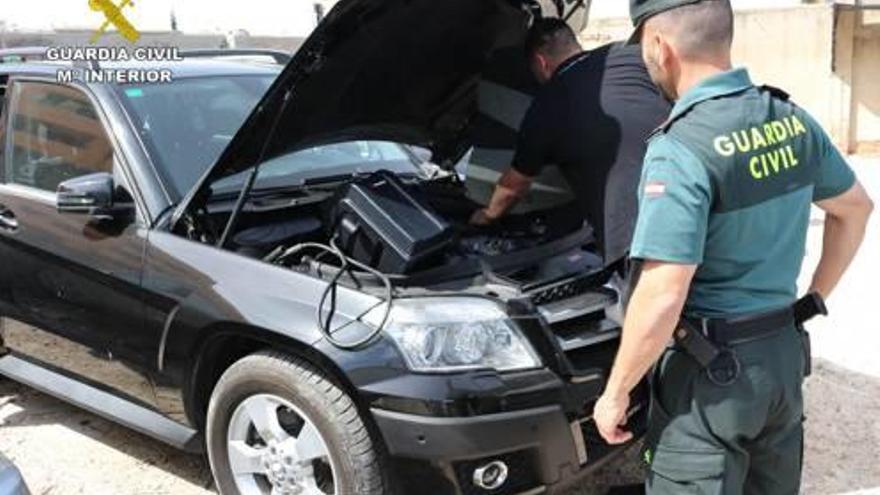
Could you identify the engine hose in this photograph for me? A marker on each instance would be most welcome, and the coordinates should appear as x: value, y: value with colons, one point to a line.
x: 278, y: 256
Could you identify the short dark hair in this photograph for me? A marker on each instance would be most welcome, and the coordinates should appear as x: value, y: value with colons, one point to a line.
x: 551, y: 36
x: 701, y: 28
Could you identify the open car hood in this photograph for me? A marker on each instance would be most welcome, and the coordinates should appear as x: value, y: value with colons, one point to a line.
x: 397, y: 70
x: 408, y: 71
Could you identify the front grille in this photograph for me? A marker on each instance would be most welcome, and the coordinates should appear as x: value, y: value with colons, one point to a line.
x: 522, y: 474
x: 559, y: 292
x: 589, y: 341
x: 571, y: 287
x: 587, y: 338
x: 573, y: 327
x: 598, y: 355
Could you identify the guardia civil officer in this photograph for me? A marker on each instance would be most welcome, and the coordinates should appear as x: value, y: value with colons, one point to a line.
x: 724, y: 206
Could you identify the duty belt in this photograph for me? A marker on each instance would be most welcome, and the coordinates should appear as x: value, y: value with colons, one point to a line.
x: 709, y: 341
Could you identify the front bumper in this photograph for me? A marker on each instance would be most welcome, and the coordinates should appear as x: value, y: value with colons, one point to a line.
x: 542, y: 447
x: 441, y: 429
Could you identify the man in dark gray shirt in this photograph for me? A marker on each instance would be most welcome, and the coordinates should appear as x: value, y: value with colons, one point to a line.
x: 591, y: 119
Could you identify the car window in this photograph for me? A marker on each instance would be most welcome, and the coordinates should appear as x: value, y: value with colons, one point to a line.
x: 55, y: 135
x: 186, y: 124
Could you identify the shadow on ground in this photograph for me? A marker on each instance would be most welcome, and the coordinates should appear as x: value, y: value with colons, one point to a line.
x: 842, y: 431
x: 842, y: 435
x: 47, y: 437
x: 26, y: 411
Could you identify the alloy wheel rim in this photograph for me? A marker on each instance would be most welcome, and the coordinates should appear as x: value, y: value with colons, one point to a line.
x: 275, y: 448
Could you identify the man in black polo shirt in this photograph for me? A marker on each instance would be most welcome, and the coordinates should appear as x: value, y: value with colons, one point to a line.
x: 591, y: 119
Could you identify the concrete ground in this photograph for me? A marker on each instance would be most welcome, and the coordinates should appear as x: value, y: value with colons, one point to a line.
x: 64, y: 450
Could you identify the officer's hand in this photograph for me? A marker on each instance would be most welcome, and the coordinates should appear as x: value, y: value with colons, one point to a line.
x: 610, y: 415
x: 480, y: 218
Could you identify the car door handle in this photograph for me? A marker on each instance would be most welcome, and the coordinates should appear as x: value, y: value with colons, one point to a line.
x: 8, y: 222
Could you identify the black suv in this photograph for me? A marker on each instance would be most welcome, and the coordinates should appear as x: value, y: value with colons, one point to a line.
x: 262, y: 264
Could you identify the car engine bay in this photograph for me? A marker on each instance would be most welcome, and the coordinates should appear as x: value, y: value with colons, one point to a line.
x: 416, y: 232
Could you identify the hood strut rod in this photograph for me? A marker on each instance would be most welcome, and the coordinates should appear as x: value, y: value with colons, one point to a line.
x: 252, y: 177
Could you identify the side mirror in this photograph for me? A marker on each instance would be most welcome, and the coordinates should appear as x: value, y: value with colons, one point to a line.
x: 90, y: 194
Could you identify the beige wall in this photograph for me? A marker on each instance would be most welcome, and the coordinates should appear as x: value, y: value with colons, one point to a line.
x: 866, y: 85
x: 792, y: 48
x: 827, y: 58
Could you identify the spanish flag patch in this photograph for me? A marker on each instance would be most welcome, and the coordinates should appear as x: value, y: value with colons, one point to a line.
x: 655, y: 189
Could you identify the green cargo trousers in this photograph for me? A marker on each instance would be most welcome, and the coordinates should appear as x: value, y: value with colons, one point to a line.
x: 746, y: 437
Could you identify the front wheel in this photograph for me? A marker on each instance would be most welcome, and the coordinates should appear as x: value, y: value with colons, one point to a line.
x: 276, y: 425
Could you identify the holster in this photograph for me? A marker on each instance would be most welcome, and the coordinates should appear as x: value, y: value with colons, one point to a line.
x: 720, y: 360
x: 694, y: 342
x: 808, y: 350
x: 805, y: 309
x: 720, y: 363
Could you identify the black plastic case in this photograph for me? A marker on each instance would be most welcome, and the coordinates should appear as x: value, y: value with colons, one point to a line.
x: 378, y: 222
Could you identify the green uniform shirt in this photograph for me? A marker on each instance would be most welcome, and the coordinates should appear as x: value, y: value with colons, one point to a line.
x: 727, y: 185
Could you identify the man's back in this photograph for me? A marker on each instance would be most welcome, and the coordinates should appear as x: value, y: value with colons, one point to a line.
x: 592, y: 120
x: 749, y: 163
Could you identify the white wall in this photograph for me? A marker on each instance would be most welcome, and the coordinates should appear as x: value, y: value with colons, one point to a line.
x: 620, y: 8
x: 826, y: 58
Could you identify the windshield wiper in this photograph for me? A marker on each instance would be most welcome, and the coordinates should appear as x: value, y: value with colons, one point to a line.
x: 283, y: 188
x: 329, y: 179
x: 286, y: 188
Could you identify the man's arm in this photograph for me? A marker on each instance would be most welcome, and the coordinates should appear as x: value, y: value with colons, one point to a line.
x: 511, y: 187
x: 675, y: 199
x: 651, y: 317
x: 846, y: 218
x: 534, y: 145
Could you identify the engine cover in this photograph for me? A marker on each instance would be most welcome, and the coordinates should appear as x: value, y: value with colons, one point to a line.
x: 378, y: 222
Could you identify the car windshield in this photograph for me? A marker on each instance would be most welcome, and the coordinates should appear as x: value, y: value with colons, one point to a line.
x: 186, y: 125
x: 339, y: 159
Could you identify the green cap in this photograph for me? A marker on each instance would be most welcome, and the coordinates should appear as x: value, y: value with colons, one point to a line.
x: 641, y: 10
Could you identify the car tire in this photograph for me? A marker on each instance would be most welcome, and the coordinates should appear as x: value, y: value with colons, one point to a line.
x: 300, y: 395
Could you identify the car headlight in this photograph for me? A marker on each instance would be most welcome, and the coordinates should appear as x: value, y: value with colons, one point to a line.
x: 454, y: 334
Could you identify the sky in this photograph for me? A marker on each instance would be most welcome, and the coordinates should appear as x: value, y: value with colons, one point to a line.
x: 258, y: 17
x: 268, y: 17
